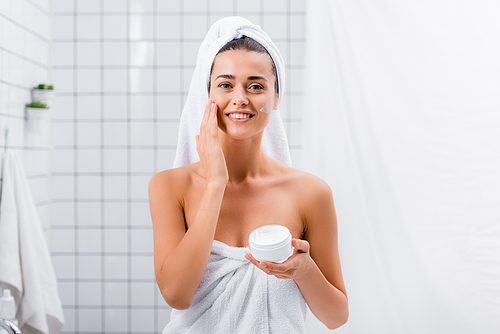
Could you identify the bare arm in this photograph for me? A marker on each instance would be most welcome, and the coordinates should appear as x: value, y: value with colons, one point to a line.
x: 315, y: 265
x: 181, y: 257
x: 323, y: 286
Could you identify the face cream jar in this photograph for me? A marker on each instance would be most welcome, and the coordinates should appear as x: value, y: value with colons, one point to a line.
x: 271, y: 243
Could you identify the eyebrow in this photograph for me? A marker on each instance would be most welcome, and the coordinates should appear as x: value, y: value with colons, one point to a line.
x: 226, y: 76
x: 232, y: 77
x: 256, y: 77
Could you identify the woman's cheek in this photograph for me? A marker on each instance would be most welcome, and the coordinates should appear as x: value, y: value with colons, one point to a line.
x: 217, y: 98
x: 265, y: 108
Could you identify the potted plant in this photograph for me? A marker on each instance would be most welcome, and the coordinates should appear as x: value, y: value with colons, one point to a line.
x: 43, y: 93
x: 36, y: 105
x: 35, y: 113
x: 36, y: 109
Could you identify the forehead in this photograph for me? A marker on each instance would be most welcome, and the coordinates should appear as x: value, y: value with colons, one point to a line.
x: 243, y: 63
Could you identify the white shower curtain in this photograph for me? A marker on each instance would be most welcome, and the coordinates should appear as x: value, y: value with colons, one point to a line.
x: 402, y: 116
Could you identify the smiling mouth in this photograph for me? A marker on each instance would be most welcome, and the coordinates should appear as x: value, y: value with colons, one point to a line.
x: 239, y: 115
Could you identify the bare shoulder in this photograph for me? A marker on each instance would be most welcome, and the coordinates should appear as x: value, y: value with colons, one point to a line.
x: 171, y: 182
x: 307, y: 185
x: 169, y: 176
x: 314, y: 200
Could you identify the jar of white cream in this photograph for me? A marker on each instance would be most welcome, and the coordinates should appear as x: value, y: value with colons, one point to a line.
x: 271, y: 243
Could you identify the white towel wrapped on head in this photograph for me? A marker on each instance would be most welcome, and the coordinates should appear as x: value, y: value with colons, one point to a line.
x: 274, y: 142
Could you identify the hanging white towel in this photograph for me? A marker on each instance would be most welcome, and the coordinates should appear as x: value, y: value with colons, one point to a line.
x: 25, y: 263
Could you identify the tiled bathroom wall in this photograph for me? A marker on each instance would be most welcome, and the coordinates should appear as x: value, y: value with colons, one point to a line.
x: 122, y: 69
x: 25, y: 56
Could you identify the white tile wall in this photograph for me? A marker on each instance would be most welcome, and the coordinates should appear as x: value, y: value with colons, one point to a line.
x: 222, y: 6
x: 88, y: 27
x: 88, y: 213
x: 25, y: 42
x: 116, y: 187
x: 142, y: 134
x: 168, y: 6
x: 88, y: 240
x: 139, y: 213
x: 114, y: 320
x: 115, y: 81
x: 88, y: 6
x: 115, y: 161
x: 168, y: 26
x: 114, y: 6
x: 123, y: 68
x: 64, y: 79
x: 88, y: 54
x: 275, y: 5
x: 141, y: 6
x: 116, y: 240
x: 89, y: 266
x: 141, y: 80
x: 140, y: 27
x: 115, y: 27
x: 142, y: 161
x: 142, y: 107
x: 194, y: 6
x: 116, y: 267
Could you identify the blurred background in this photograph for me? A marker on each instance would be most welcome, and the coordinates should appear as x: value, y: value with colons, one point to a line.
x: 395, y: 104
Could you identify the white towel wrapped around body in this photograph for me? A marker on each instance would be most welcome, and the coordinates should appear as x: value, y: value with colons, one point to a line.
x: 274, y: 142
x: 237, y: 297
x: 25, y: 263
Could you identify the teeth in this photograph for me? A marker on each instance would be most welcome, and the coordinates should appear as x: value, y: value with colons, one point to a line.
x: 239, y: 115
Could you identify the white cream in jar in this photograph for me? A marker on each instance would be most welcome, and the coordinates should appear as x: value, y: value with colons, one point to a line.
x: 271, y: 243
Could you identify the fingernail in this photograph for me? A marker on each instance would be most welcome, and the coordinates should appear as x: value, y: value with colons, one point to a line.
x: 263, y: 265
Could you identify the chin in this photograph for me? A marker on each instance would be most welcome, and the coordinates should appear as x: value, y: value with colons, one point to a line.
x: 237, y: 134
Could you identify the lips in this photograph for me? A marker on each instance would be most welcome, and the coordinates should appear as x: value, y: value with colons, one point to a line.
x: 239, y: 117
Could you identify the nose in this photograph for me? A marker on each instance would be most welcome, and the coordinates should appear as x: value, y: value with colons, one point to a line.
x: 240, y: 103
x: 239, y: 98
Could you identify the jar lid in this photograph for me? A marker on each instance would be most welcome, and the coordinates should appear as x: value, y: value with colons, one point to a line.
x: 269, y: 237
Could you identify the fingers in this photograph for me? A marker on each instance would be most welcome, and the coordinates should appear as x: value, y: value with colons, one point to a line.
x: 270, y: 268
x: 250, y: 258
x: 206, y: 114
x: 209, y: 125
x: 213, y: 120
x: 300, y: 245
x: 261, y: 265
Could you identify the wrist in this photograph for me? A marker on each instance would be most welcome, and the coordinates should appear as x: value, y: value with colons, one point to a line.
x: 305, y: 275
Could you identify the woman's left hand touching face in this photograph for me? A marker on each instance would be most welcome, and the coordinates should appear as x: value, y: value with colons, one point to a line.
x: 295, y: 267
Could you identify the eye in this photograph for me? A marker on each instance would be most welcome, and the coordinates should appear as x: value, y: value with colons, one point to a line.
x: 224, y: 85
x: 256, y: 87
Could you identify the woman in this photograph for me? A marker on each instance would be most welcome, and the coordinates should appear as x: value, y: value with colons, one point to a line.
x: 203, y: 214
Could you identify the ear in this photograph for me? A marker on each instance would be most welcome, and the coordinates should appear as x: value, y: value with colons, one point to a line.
x: 276, y: 101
